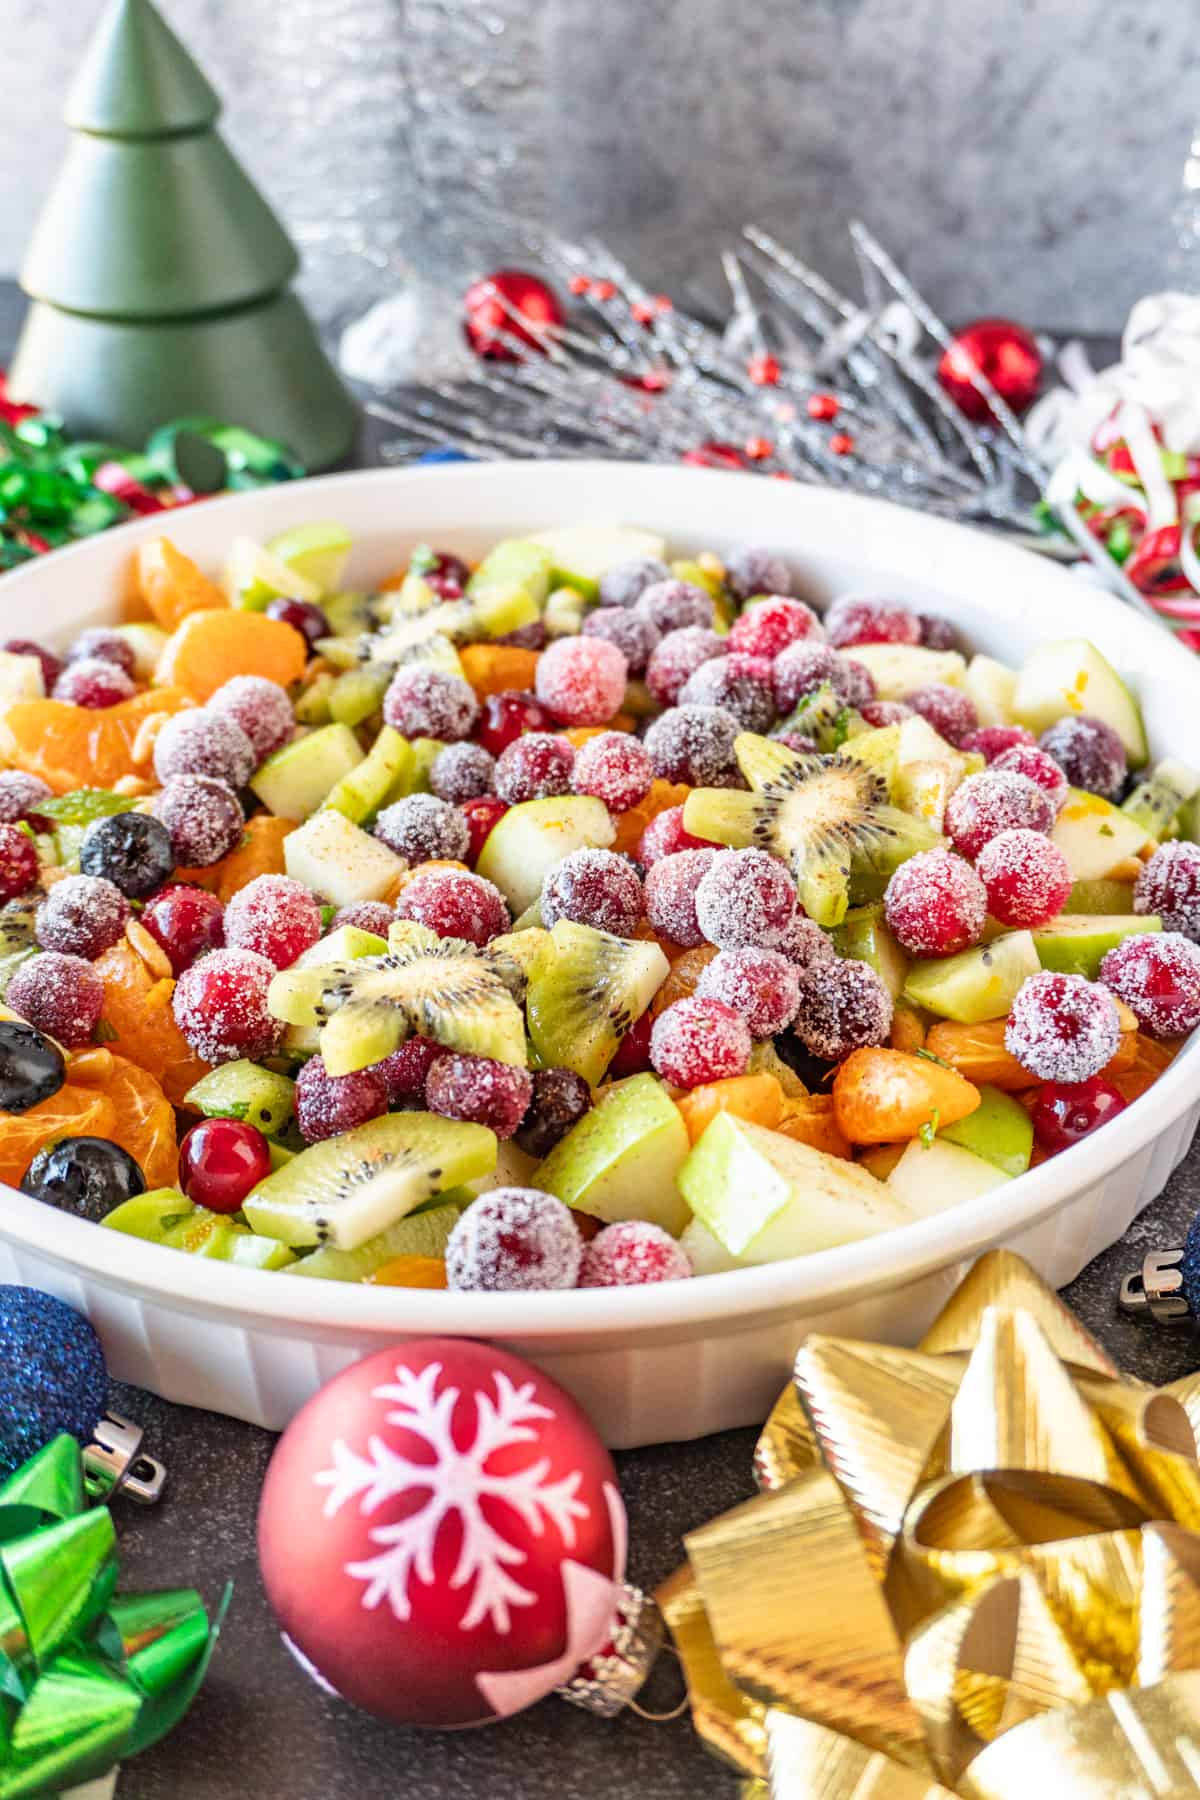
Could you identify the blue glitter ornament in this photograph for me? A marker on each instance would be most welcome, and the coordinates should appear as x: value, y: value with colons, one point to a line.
x: 53, y: 1376
x: 447, y: 455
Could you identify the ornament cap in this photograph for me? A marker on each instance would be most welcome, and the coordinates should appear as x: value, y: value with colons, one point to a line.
x: 114, y: 1460
x: 1156, y: 1290
x: 610, y: 1679
x: 138, y: 81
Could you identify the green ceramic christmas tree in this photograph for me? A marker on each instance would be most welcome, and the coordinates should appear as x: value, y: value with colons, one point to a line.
x: 159, y: 275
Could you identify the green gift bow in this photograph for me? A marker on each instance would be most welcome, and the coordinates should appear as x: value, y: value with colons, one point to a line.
x: 87, y: 1677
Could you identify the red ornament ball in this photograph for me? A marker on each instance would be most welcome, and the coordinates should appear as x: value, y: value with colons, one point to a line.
x: 1001, y: 350
x: 440, y: 1535
x: 489, y: 306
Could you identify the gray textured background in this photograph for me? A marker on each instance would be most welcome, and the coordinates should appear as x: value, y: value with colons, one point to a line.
x: 1019, y: 155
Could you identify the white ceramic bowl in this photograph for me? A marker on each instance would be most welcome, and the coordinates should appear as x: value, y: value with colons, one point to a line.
x: 690, y: 1357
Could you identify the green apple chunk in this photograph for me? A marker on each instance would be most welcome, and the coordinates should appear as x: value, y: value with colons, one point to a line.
x: 294, y: 782
x: 1100, y: 896
x: 1000, y: 1130
x: 317, y: 552
x: 864, y: 936
x: 532, y: 838
x: 512, y: 560
x: 976, y: 984
x: 361, y: 793
x: 931, y: 1180
x: 1096, y: 836
x: 622, y: 1160
x: 338, y: 860
x: 991, y: 685
x: 581, y: 554
x: 765, y: 1196
x: 899, y: 669
x: 1077, y: 944
x: 1071, y: 677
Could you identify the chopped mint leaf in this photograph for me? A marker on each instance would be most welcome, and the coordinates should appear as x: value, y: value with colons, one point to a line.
x: 422, y: 560
x: 328, y: 914
x: 106, y: 1033
x: 85, y: 804
x: 928, y: 1130
x: 930, y: 1057
x: 1105, y: 830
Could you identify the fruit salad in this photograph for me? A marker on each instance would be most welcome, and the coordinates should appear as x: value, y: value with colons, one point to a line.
x: 577, y: 917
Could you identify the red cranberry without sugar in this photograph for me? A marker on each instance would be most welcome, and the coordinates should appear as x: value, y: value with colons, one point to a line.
x: 303, y: 616
x: 481, y: 816
x: 1066, y: 1113
x: 51, y: 664
x: 185, y: 922
x: 632, y: 1056
x: 18, y: 862
x: 505, y: 716
x: 220, y: 1161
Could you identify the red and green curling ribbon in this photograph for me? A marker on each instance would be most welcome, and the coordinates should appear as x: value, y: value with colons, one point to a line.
x: 88, y: 1677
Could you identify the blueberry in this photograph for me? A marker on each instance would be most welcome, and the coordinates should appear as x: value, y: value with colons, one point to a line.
x: 31, y: 1067
x: 87, y: 1176
x: 131, y: 850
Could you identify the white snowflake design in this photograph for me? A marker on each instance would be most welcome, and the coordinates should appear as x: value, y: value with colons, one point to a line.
x: 457, y: 1481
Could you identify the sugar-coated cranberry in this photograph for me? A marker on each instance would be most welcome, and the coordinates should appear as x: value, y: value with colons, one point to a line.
x: 699, y: 1040
x: 423, y: 701
x: 202, y: 742
x: 674, y: 605
x: 514, y: 1240
x: 880, y: 713
x: 844, y: 1006
x: 805, y: 943
x: 991, y: 741
x: 937, y: 633
x: 624, y: 583
x: 18, y: 862
x: 596, y: 888
x: 82, y: 915
x: 455, y: 904
x: 770, y: 625
x: 505, y: 716
x: 1031, y: 761
x: 422, y: 828
x: 60, y: 995
x: 462, y: 772
x: 31, y: 1067
x: 374, y: 916
x: 131, y: 850
x: 670, y: 895
x: 632, y: 1056
x: 1027, y: 878
x: 1062, y: 1027
x: 581, y: 680
x: 51, y: 664
x: 275, y: 917
x: 676, y: 659
x: 951, y: 712
x: 481, y: 817
x: 560, y: 1099
x: 303, y: 616
x: 220, y: 1005
x: 87, y: 1176
x: 1066, y: 1112
x: 185, y: 922
x: 665, y: 836
x: 260, y: 708
x: 693, y: 744
x: 798, y: 742
x: 1169, y: 885
x: 535, y: 767
x: 203, y: 818
x: 855, y: 620
x: 19, y: 795
x: 1157, y: 975
x: 742, y: 685
x: 635, y: 636
x: 753, y: 570
x: 762, y: 986
x: 1090, y: 754
x: 327, y: 1105
x: 105, y: 644
x: 804, y: 667
x: 444, y: 565
x: 745, y: 898
x: 477, y: 1089
x: 614, y: 767
x: 220, y: 1161
x: 632, y: 1253
x: 94, y: 683
x: 993, y: 801
x: 936, y: 904
x: 405, y: 1070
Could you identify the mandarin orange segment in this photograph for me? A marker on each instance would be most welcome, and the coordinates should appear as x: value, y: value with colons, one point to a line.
x: 880, y: 1096
x: 978, y: 1052
x: 812, y: 1120
x: 908, y: 1029
x: 209, y: 648
x: 630, y: 825
x: 410, y: 1271
x: 880, y: 1159
x: 259, y: 853
x: 77, y: 746
x: 140, y: 1025
x: 1150, y: 1059
x: 686, y: 970
x: 75, y: 1111
x: 498, y: 668
x: 144, y: 1122
x: 171, y: 585
x: 758, y: 1098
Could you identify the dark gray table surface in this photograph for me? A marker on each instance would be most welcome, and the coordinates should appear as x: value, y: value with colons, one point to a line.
x: 261, y: 1728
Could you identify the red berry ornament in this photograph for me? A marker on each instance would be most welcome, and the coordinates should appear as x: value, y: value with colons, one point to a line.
x: 505, y: 305
x: 440, y: 1535
x: 1002, y: 351
x: 220, y: 1160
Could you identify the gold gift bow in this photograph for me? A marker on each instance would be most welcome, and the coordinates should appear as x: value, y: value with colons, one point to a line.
x: 974, y: 1570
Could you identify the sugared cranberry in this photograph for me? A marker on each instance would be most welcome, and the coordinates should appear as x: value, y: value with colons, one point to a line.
x: 844, y: 1006
x: 693, y: 744
x: 1157, y: 975
x: 937, y: 633
x: 203, y: 819
x: 1169, y: 885
x: 94, y: 683
x: 327, y: 1105
x: 185, y: 922
x: 582, y: 680
x: 423, y: 701
x: 477, y: 1089
x: 670, y: 895
x: 481, y: 817
x: 560, y: 1099
x: 303, y: 616
x: 745, y: 898
x: 614, y: 767
x: 536, y: 767
x: 261, y: 709
x: 82, y: 915
x: 18, y: 861
x: 665, y: 836
x: 698, y: 1040
x: 992, y: 802
x: 880, y: 713
x: 444, y: 565
x: 455, y: 904
x: 51, y: 664
x: 742, y: 685
x: 677, y: 658
x: 105, y: 644
x: 404, y: 1071
x: 60, y: 995
x: 374, y: 916
x: 19, y: 796
x: 1027, y: 878
x: 1066, y: 1112
x: 636, y: 637
x: 804, y: 667
x: 1032, y: 762
x: 204, y: 742
x: 1063, y: 1027
x: 865, y: 621
x: 220, y: 1005
x: 753, y: 570
x: 762, y: 986
x: 625, y: 582
x: 514, y: 1240
x: 675, y: 605
x: 596, y: 888
x: 805, y: 943
x: 936, y: 904
x: 633, y: 1053
x: 770, y: 625
x: 275, y: 917
x: 951, y: 712
x: 220, y: 1161
x: 505, y: 716
x: 991, y: 741
x: 632, y: 1253
x: 1090, y: 754
x: 462, y: 772
x: 422, y: 828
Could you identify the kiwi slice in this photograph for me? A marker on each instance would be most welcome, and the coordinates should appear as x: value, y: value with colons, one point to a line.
x: 826, y: 816
x: 245, y: 1090
x: 17, y: 941
x: 826, y: 718
x: 346, y: 1189
x: 442, y: 988
x: 585, y: 990
x: 422, y: 1233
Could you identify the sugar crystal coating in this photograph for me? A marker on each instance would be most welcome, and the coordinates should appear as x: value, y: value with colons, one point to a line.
x: 1157, y: 975
x: 274, y: 916
x: 477, y: 1089
x: 693, y: 744
x: 991, y: 741
x: 220, y: 1005
x: 560, y: 1099
x: 937, y: 633
x: 804, y: 943
x: 1032, y: 761
x: 1027, y: 878
x: 745, y: 898
x: 624, y: 583
x: 951, y: 712
x: 200, y: 742
x: 19, y: 795
x: 94, y: 683
x: 82, y: 915
x: 327, y: 1105
x: 993, y: 801
x: 844, y: 1006
x: 805, y: 666
x: 769, y: 626
x: 108, y: 645
x: 674, y: 605
x: 1063, y: 1027
x: 596, y: 888
x: 854, y: 619
x: 1169, y: 885
x: 665, y: 836
x: 936, y: 904
x: 514, y: 1240
x: 260, y: 708
x: 632, y: 1253
x: 455, y: 903
x: 423, y: 828
x: 740, y: 684
x: 762, y: 987
x: 60, y: 995
x: 462, y: 772
x: 204, y: 818
x: 535, y: 766
x: 751, y: 570
x: 670, y: 895
x: 698, y: 1040
x: 677, y: 657
x: 614, y: 767
x: 581, y: 680
x: 1090, y: 754
x: 423, y: 701
x: 635, y: 636
x: 366, y: 915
